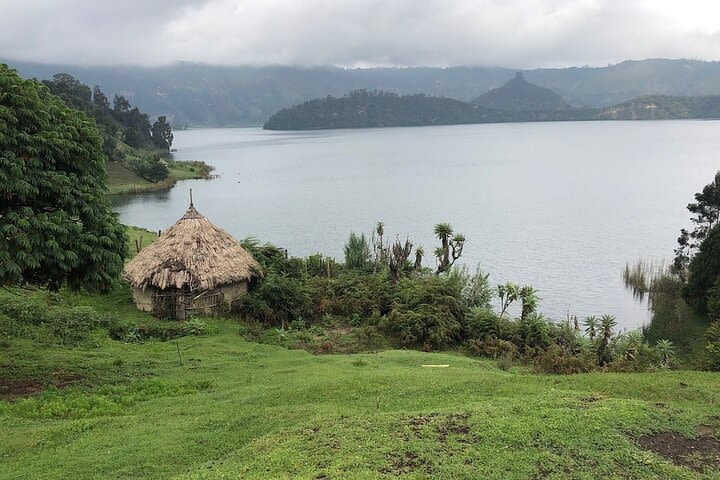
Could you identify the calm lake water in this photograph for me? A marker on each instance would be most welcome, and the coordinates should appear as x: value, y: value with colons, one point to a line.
x: 560, y: 206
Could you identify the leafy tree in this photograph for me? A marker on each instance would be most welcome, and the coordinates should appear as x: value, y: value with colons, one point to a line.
x: 99, y: 99
x: 704, y: 271
x: 161, y: 133
x: 706, y: 211
x: 120, y: 104
x: 70, y: 90
x: 56, y: 225
x: 357, y: 251
x: 451, y: 246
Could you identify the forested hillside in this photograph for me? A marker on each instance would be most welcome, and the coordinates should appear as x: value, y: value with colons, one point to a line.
x: 128, y: 136
x: 519, y: 94
x: 196, y: 94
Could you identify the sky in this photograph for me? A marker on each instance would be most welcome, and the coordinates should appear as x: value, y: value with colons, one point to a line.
x: 510, y: 33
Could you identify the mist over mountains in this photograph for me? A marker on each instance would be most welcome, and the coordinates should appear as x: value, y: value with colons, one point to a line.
x: 207, y: 95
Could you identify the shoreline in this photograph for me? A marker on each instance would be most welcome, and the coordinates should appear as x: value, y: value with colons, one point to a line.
x: 181, y: 170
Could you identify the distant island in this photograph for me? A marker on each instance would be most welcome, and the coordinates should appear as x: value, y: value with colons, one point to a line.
x: 516, y: 101
x: 519, y: 94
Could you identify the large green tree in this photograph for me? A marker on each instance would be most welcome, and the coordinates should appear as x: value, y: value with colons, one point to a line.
x: 56, y: 225
x: 704, y: 271
x: 161, y: 133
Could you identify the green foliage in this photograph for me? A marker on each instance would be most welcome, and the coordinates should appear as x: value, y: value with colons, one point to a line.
x: 451, y: 246
x: 56, y: 225
x: 706, y: 209
x: 161, y: 133
x: 48, y: 324
x: 279, y: 299
x: 476, y: 290
x: 713, y: 302
x: 148, y: 165
x: 607, y: 324
x: 534, y: 331
x: 357, y: 252
x: 712, y: 346
x: 704, y: 271
x: 427, y: 313
x: 557, y: 360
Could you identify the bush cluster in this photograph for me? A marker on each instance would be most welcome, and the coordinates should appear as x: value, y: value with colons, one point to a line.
x: 301, y: 303
x: 50, y: 324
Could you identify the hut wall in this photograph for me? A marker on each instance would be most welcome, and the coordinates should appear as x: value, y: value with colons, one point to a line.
x: 143, y: 298
x: 233, y: 291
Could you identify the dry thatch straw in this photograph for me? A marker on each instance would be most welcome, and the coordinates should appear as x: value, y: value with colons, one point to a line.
x: 192, y: 254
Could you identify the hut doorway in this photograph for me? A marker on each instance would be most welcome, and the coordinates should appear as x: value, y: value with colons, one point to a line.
x: 170, y: 305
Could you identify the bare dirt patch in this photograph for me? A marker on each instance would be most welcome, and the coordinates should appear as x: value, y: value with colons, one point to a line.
x: 696, y: 454
x: 405, y: 463
x: 11, y: 388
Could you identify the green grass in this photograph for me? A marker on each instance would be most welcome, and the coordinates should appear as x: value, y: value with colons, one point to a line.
x: 138, y: 238
x: 121, y: 179
x: 228, y: 408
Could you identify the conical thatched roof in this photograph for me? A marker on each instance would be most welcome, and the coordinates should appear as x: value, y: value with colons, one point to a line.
x: 193, y: 253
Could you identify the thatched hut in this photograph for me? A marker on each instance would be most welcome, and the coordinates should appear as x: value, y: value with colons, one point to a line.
x: 193, y: 266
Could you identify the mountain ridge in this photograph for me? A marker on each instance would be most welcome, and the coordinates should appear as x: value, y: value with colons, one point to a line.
x: 205, y: 95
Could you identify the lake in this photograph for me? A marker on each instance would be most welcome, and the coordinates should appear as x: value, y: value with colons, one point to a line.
x: 560, y: 206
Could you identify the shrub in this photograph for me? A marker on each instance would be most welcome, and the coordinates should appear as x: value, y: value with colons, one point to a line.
x: 534, y: 331
x: 482, y: 322
x: 557, y: 360
x: 51, y: 324
x: 492, y: 347
x: 712, y: 346
x: 357, y: 252
x: 427, y: 313
x: 476, y: 289
x: 280, y: 299
x: 194, y: 326
x: 505, y: 362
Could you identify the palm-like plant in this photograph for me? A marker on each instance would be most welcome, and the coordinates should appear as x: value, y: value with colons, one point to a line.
x: 419, y: 253
x: 530, y: 299
x: 508, y: 293
x: 667, y: 351
x: 607, y: 324
x: 633, y: 342
x: 450, y: 248
x: 591, y: 326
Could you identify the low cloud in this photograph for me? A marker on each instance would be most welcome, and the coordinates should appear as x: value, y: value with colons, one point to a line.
x: 527, y: 33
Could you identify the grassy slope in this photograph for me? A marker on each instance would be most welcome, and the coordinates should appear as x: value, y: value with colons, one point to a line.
x: 123, y: 180
x: 235, y: 409
x: 138, y: 237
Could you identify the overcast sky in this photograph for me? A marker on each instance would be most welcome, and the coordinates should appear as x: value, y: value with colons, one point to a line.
x: 512, y: 33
